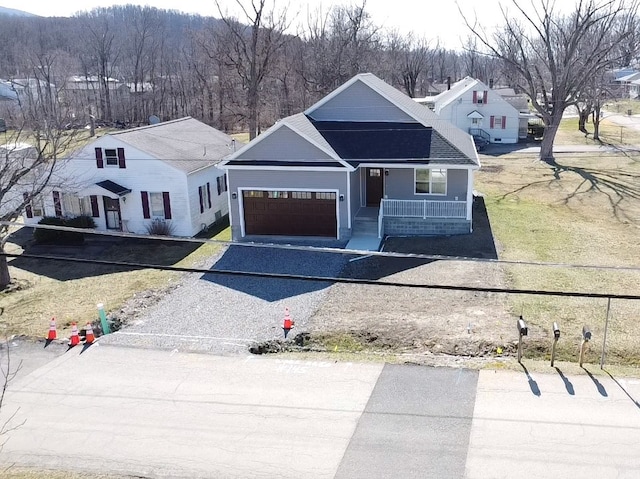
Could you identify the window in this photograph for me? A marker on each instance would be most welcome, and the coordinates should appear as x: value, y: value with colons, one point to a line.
x: 37, y: 206
x: 222, y: 183
x: 253, y: 194
x: 480, y: 97
x: 431, y: 182
x: 497, y: 122
x: 374, y: 172
x: 475, y: 121
x: 111, y: 156
x: 75, y: 206
x: 156, y: 203
x: 325, y: 196
x: 204, y: 194
x: 277, y: 194
x: 301, y: 195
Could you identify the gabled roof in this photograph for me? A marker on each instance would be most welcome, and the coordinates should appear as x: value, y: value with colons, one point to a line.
x: 447, y: 141
x: 449, y: 133
x: 186, y: 144
x: 628, y: 78
x: 457, y: 89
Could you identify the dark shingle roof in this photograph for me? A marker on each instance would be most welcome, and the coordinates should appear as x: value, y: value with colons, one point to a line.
x: 376, y: 140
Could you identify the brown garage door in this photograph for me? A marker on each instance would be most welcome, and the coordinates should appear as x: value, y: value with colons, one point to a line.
x: 289, y: 213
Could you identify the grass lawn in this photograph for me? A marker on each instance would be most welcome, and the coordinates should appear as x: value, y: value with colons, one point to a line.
x: 610, y: 133
x: 586, y: 212
x: 70, y: 291
x: 623, y: 106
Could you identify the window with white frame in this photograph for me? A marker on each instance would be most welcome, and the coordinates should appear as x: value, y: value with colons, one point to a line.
x: 475, y: 121
x: 156, y: 205
x: 37, y: 206
x: 497, y: 122
x: 431, y: 182
x: 76, y: 206
x: 111, y: 156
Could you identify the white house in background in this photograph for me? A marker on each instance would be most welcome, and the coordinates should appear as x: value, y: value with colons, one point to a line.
x: 475, y: 108
x: 126, y: 180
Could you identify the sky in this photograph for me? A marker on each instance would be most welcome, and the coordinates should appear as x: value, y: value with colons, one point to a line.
x: 432, y: 18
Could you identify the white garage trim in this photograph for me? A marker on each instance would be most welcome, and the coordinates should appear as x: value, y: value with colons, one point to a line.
x: 272, y: 188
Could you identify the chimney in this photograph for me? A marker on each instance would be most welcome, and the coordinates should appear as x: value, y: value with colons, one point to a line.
x: 448, y: 83
x: 491, y: 83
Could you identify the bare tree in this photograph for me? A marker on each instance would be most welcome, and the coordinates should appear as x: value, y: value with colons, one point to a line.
x: 555, y: 55
x: 253, y: 48
x: 9, y: 372
x: 31, y: 155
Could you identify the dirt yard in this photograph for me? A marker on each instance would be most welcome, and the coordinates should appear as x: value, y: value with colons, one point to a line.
x: 409, y: 319
x: 584, y: 210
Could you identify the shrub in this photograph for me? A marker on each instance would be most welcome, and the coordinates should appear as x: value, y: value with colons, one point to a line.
x: 47, y: 236
x: 160, y: 228
x: 82, y: 221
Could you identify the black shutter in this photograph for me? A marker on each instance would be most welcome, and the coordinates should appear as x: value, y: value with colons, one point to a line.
x: 167, y: 205
x: 27, y: 206
x: 121, y: 160
x: 209, y: 194
x: 99, y: 160
x: 145, y: 204
x: 95, y: 212
x: 57, y: 204
x: 201, y: 195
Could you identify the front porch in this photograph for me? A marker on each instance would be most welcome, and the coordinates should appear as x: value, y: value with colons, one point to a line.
x: 423, y: 217
x: 408, y: 218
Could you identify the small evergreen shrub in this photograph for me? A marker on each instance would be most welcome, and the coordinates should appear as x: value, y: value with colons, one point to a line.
x: 47, y: 236
x: 82, y: 221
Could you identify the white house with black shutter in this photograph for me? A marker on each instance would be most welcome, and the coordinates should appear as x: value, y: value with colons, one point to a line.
x: 477, y: 109
x: 126, y: 180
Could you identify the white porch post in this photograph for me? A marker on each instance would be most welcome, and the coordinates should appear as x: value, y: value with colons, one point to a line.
x: 469, y: 193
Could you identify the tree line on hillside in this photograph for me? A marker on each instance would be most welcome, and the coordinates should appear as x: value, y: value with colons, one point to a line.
x: 125, y: 63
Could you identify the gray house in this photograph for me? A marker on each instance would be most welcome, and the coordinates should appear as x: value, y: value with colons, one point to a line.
x: 364, y: 161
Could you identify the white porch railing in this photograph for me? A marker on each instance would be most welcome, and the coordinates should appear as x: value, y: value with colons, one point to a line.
x: 421, y: 209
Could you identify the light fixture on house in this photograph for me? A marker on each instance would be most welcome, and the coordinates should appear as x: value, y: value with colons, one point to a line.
x: 386, y: 172
x: 341, y: 197
x: 234, y: 195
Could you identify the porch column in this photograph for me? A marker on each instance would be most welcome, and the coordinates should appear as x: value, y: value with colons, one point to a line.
x: 469, y: 194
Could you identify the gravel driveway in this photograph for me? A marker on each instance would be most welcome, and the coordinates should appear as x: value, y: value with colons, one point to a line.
x: 225, y: 314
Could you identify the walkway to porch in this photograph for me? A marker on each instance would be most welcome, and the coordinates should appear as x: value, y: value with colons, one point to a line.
x: 364, y: 236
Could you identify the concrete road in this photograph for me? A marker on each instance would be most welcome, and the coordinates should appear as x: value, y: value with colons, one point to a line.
x: 545, y: 426
x: 157, y: 413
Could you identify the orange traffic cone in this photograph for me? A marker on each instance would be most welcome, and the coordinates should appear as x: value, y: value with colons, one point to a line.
x: 89, y: 338
x: 288, y: 323
x: 52, y: 330
x: 75, y: 338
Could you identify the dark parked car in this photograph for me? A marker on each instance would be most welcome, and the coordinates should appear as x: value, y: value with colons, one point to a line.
x: 481, y: 143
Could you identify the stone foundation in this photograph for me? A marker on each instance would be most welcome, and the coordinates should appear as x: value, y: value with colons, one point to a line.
x: 425, y: 227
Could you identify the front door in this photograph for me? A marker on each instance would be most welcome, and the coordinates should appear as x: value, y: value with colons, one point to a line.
x: 112, y: 213
x: 374, y: 186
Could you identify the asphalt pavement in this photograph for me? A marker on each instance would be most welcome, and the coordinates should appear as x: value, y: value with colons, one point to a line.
x: 153, y: 413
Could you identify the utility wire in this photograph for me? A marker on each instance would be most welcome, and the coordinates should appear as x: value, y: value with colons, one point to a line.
x: 316, y: 249
x: 537, y: 292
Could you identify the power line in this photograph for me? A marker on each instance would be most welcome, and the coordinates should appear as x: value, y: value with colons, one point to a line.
x: 332, y: 279
x: 316, y: 249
